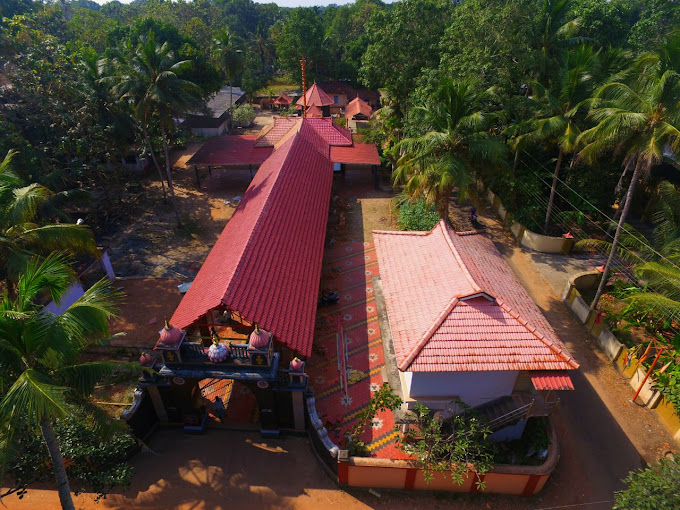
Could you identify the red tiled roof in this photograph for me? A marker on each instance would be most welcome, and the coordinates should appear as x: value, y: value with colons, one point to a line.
x: 230, y: 150
x: 551, y: 381
x: 455, y: 305
x: 358, y: 154
x: 315, y: 96
x: 266, y: 264
x: 273, y: 133
x: 333, y: 134
x: 314, y: 112
x: 358, y: 106
x: 285, y: 127
x: 283, y: 99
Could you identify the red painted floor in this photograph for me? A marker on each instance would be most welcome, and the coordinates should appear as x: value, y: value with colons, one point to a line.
x: 349, y: 269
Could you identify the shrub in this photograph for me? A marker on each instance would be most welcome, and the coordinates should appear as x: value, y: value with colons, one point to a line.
x: 652, y: 488
x: 92, y: 463
x: 417, y: 215
x: 244, y: 115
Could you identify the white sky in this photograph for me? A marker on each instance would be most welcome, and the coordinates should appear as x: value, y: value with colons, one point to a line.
x: 282, y: 3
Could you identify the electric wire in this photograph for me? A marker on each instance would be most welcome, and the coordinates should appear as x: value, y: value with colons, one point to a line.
x: 620, y: 266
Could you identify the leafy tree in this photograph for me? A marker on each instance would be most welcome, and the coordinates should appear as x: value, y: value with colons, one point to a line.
x: 603, y: 22
x: 490, y: 41
x: 347, y: 36
x: 244, y: 115
x: 556, y: 122
x: 229, y: 58
x: 91, y: 462
x: 455, y: 138
x: 403, y: 43
x: 148, y: 79
x: 21, y: 235
x: 638, y: 120
x: 652, y: 488
x: 456, y: 445
x: 42, y: 378
x: 301, y: 35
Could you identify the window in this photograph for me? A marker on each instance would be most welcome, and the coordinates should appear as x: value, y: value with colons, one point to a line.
x: 335, y: 99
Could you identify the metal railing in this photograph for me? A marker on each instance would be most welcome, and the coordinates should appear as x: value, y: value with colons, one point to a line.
x: 509, y: 417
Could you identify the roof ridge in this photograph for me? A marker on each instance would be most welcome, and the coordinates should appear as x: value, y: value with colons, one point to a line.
x: 459, y: 259
x: 567, y: 358
x: 419, y: 233
x: 267, y: 204
x: 428, y: 334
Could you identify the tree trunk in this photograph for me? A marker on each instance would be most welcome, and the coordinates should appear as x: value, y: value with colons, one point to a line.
x: 514, y: 164
x: 155, y: 162
x: 617, y: 234
x: 617, y: 192
x: 443, y: 204
x: 63, y: 486
x: 171, y: 188
x: 231, y: 111
x: 552, y: 192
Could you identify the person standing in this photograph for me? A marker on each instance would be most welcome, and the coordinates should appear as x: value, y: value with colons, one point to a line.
x: 218, y: 407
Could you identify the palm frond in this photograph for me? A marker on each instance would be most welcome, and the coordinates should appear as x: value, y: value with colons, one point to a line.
x: 36, y: 396
x: 84, y: 376
x: 661, y: 277
x: 59, y: 237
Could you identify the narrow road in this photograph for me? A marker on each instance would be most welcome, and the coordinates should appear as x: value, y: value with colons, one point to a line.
x: 602, y: 435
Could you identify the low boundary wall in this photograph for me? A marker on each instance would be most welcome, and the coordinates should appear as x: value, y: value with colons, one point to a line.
x: 617, y: 353
x: 369, y: 472
x: 527, y: 238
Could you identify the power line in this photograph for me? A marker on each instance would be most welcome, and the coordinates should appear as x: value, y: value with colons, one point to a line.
x: 622, y: 268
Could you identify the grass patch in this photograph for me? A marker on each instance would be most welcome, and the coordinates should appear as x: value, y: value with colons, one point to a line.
x: 279, y: 85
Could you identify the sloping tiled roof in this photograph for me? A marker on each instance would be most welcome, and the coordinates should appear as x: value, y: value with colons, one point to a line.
x: 285, y: 127
x: 283, y: 99
x: 339, y: 87
x: 315, y: 96
x: 554, y: 380
x: 455, y: 305
x: 230, y: 150
x: 273, y: 133
x: 358, y: 106
x: 358, y: 154
x: 314, y: 112
x: 266, y: 264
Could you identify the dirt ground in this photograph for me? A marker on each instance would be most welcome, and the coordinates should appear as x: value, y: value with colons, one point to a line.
x: 148, y: 301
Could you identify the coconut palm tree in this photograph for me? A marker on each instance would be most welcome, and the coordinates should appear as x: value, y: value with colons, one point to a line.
x: 148, y: 78
x: 21, y: 234
x: 229, y: 59
x: 456, y: 139
x: 639, y: 120
x: 41, y: 376
x: 556, y: 122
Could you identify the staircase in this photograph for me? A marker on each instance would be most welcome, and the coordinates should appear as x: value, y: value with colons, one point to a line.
x: 508, y: 410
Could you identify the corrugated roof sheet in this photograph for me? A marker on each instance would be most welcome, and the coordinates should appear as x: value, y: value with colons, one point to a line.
x: 266, y: 264
x: 455, y: 305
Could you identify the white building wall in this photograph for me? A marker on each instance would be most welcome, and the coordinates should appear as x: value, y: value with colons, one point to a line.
x: 473, y: 388
x: 70, y: 296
